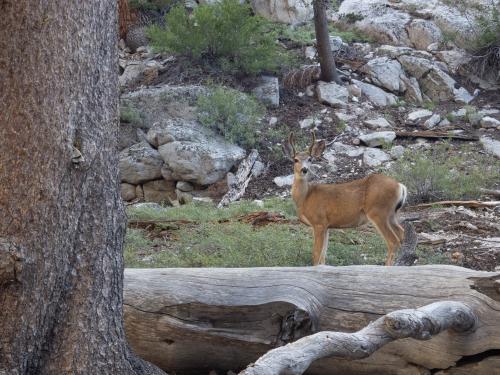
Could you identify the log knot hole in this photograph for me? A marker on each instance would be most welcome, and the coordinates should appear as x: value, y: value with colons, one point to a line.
x: 295, y: 324
x: 11, y: 261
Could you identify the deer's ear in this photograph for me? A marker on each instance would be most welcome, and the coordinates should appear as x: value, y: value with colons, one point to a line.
x: 318, y: 148
x: 287, y: 150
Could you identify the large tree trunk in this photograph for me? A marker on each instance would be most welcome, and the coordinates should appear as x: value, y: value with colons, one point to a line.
x: 195, y: 320
x: 61, y: 218
x: 326, y: 60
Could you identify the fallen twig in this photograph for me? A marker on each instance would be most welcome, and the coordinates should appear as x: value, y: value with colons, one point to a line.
x: 469, y: 204
x: 435, y: 134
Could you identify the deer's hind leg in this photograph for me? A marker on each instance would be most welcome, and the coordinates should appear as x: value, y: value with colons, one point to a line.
x: 397, y: 228
x: 384, y: 227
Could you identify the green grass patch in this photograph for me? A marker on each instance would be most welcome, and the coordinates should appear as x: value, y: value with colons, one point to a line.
x: 215, y: 238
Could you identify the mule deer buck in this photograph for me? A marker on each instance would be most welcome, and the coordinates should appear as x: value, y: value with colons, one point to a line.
x: 375, y: 198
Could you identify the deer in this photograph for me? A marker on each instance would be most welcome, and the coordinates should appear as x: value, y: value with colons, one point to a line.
x: 376, y: 198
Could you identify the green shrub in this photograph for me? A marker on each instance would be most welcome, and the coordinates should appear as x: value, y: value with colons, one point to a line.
x: 437, y: 174
x: 130, y: 115
x: 225, y: 32
x: 232, y: 113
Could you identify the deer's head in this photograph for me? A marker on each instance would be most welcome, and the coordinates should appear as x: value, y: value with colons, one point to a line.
x: 302, y: 160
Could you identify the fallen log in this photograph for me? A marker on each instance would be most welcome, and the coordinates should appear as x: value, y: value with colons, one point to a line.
x: 436, y: 134
x: 420, y: 324
x: 191, y: 321
x: 469, y: 204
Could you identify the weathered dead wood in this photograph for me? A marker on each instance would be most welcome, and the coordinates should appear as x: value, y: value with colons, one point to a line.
x: 469, y: 204
x: 189, y: 321
x: 492, y: 192
x: 407, y: 252
x: 239, y: 182
x: 435, y: 134
x: 421, y: 324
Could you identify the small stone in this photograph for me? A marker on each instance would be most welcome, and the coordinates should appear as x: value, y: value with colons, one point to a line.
x: 283, y: 180
x: 378, y: 138
x: 462, y: 96
x: 184, y: 186
x: 377, y: 123
x: 444, y: 122
x: 356, y: 142
x: 310, y: 53
x: 490, y: 145
x: 432, y: 121
x: 332, y: 94
x: 489, y: 122
x: 273, y: 121
x: 459, y: 114
x: 374, y: 157
x: 354, y: 90
x: 416, y: 116
x: 397, y: 152
x: 183, y: 197
x: 341, y: 116
x: 127, y: 191
x: 306, y: 123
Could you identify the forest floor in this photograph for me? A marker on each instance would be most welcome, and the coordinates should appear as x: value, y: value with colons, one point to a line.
x: 267, y: 233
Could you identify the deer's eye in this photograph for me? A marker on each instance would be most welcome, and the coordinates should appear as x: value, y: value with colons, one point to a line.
x: 296, y: 160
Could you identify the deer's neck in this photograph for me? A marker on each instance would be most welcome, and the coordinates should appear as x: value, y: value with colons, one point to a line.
x: 300, y: 188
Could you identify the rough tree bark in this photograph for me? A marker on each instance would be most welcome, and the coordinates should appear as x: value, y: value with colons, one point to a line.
x: 195, y: 320
x: 326, y: 60
x: 61, y: 218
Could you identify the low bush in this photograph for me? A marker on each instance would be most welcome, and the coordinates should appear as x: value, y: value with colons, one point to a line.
x: 225, y: 32
x: 437, y: 174
x: 156, y: 5
x: 233, y: 114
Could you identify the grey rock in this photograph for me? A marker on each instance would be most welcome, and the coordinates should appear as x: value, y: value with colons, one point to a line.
x: 339, y: 148
x: 395, y: 51
x: 183, y: 197
x: 418, y: 115
x: 378, y: 138
x: 397, y: 152
x: 378, y: 123
x: 306, y: 123
x: 159, y: 191
x: 386, y: 73
x: 462, y: 96
x: 268, y: 91
x: 444, y: 122
x: 336, y: 43
x: 413, y: 93
x: 332, y: 94
x: 376, y: 95
x: 434, y: 83
x: 341, y: 116
x: 432, y: 121
x: 184, y: 186
x: 489, y: 122
x: 423, y: 33
x: 453, y: 58
x: 374, y: 157
x: 127, y: 191
x: 284, y: 180
x: 380, y: 22
x: 292, y: 11
x: 491, y: 146
x: 157, y: 104
x: 200, y: 162
x: 140, y: 163
x: 459, y: 113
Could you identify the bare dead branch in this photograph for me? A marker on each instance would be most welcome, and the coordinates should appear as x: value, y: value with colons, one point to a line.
x: 420, y: 324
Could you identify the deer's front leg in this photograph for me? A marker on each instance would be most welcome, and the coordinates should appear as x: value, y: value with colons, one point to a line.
x: 319, y: 233
x: 322, y: 258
